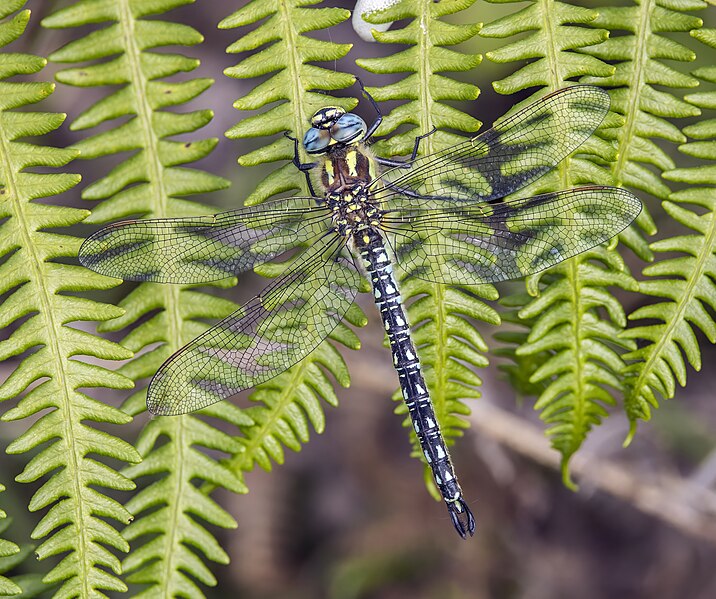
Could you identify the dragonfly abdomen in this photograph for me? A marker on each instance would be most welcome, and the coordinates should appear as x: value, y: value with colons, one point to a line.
x: 378, y: 265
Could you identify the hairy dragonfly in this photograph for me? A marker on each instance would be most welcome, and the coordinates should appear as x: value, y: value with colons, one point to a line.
x: 443, y: 217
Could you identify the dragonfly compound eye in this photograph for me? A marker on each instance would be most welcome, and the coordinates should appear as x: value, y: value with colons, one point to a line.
x: 316, y: 140
x: 326, y: 117
x: 349, y: 127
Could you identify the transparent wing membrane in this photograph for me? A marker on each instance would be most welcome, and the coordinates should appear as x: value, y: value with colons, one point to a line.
x: 442, y: 216
x: 486, y: 243
x: 515, y: 151
x: 269, y: 334
x: 205, y: 248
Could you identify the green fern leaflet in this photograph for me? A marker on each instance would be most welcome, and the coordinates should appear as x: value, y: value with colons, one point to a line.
x: 444, y: 215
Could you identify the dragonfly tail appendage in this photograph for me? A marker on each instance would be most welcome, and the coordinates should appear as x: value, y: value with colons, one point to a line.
x: 462, y: 517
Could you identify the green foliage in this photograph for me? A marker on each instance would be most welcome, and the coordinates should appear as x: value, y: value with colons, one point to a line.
x: 550, y: 33
x: 644, y: 108
x: 685, y: 276
x: 39, y: 305
x: 7, y: 549
x: 570, y: 349
x: 425, y: 58
x: 279, y: 46
x: 443, y: 318
x: 286, y: 404
x: 570, y: 345
x: 152, y: 182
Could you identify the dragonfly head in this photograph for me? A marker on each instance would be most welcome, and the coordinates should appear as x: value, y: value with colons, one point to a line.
x: 332, y: 126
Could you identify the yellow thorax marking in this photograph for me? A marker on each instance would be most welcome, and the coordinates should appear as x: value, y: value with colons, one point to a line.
x: 329, y: 171
x: 352, y: 162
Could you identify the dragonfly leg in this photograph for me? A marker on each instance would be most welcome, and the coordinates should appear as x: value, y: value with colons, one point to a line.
x: 414, y: 194
x: 378, y: 119
x: 418, y: 139
x: 409, y: 162
x: 376, y: 124
x: 462, y: 517
x: 304, y: 167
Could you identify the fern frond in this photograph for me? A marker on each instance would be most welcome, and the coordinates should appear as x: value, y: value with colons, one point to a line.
x: 687, y: 282
x: 289, y: 402
x: 584, y: 350
x: 550, y: 33
x: 427, y: 36
x: 39, y: 303
x: 443, y: 318
x: 286, y: 57
x: 286, y: 404
x: 638, y: 58
x: 173, y: 511
x: 579, y: 360
x: 7, y: 549
x: 153, y: 182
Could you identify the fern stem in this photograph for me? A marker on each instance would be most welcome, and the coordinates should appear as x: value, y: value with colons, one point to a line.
x: 52, y: 328
x: 300, y: 118
x: 685, y: 282
x: 633, y: 402
x: 552, y: 52
x: 578, y: 404
x: 627, y: 130
x: 424, y: 75
x: 171, y: 560
x: 255, y: 438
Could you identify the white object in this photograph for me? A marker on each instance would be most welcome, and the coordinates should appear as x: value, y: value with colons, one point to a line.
x: 361, y: 27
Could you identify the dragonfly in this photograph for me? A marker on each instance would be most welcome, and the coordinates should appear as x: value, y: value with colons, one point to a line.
x: 443, y: 217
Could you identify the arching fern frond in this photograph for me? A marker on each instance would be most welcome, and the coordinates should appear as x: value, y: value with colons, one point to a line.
x: 638, y: 57
x: 686, y: 282
x: 428, y: 38
x: 584, y: 350
x: 39, y: 302
x: 551, y: 32
x: 286, y: 56
x: 286, y: 404
x: 580, y: 361
x: 443, y: 318
x: 7, y: 548
x: 152, y: 182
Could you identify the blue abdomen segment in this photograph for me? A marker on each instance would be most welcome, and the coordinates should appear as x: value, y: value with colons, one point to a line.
x: 377, y: 263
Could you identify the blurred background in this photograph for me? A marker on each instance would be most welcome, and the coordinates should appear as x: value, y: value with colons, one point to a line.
x: 349, y: 517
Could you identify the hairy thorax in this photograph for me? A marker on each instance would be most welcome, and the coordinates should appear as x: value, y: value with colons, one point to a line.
x: 345, y: 166
x: 345, y: 175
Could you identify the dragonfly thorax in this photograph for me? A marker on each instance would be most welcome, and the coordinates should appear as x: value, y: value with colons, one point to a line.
x: 347, y: 166
x: 352, y: 211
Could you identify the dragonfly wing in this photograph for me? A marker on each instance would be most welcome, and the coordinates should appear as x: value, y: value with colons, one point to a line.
x: 266, y: 336
x: 204, y: 248
x: 486, y: 243
x: 517, y: 150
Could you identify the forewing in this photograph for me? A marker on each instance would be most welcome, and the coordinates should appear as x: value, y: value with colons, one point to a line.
x: 205, y: 248
x: 487, y: 243
x: 515, y: 151
x: 267, y: 335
